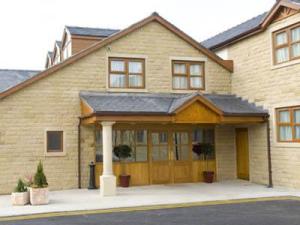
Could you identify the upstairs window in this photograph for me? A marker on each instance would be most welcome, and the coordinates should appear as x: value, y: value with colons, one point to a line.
x: 286, y: 44
x: 188, y: 75
x: 126, y: 73
x: 288, y: 124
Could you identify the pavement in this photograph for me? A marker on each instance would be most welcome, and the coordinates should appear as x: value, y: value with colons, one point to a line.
x: 260, y: 212
x: 83, y: 199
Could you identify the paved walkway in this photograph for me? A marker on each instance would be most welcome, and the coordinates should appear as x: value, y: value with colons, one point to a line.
x: 73, y: 200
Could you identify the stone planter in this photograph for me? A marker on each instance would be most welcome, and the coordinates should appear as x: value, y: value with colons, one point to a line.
x: 39, y: 196
x: 20, y: 198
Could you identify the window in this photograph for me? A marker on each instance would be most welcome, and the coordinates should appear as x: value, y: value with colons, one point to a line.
x: 159, y: 146
x: 126, y: 73
x: 54, y: 141
x: 203, y: 135
x: 181, y: 146
x: 188, y: 75
x: 67, y: 50
x: 288, y: 124
x: 286, y: 44
x: 136, y: 139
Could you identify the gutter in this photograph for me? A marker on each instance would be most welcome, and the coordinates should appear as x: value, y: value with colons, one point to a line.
x: 270, y: 185
x: 79, y: 152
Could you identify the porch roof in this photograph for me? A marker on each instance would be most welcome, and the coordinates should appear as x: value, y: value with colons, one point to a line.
x: 103, y: 103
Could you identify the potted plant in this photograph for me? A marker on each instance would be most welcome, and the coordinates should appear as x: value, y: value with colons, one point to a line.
x: 20, y: 196
x: 123, y: 152
x: 39, y: 193
x: 205, y: 149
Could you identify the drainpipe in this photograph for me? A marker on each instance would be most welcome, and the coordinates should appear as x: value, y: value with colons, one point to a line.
x: 79, y: 153
x: 269, y: 153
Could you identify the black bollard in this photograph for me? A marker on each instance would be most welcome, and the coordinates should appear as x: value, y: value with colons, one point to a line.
x: 92, y: 176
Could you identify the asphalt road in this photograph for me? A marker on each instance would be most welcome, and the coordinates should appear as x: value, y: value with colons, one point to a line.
x: 279, y: 212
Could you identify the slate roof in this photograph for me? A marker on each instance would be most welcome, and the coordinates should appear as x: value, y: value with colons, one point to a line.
x: 238, y: 30
x: 10, y: 78
x: 89, y: 31
x: 158, y: 103
x: 234, y: 31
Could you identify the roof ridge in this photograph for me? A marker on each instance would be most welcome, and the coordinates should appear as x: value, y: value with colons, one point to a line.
x: 100, y: 28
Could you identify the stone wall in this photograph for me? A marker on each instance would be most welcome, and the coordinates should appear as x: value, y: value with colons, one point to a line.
x: 256, y: 78
x: 53, y: 102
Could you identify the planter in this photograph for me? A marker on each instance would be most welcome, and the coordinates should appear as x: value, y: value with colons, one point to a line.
x: 39, y: 196
x: 20, y: 198
x: 208, y: 176
x: 124, y: 180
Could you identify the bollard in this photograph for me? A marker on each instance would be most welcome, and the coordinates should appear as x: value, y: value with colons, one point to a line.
x: 92, y: 176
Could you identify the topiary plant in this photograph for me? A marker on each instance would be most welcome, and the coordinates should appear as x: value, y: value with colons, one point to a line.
x: 122, y: 152
x: 21, y: 187
x: 40, y: 180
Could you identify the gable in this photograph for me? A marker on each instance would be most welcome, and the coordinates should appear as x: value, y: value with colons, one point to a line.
x: 197, y: 112
x: 154, y: 17
x: 283, y: 13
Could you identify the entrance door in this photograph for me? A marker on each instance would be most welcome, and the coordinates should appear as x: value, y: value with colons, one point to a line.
x: 242, y: 152
x: 182, y: 164
x: 160, y: 163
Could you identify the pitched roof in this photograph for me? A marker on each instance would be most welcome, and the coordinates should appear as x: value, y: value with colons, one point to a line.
x: 160, y: 103
x: 233, y: 32
x: 10, y: 78
x: 154, y: 17
x: 90, y: 31
x: 258, y: 23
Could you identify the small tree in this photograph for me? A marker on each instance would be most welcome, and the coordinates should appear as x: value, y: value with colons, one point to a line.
x: 122, y: 152
x: 40, y: 180
x: 21, y: 187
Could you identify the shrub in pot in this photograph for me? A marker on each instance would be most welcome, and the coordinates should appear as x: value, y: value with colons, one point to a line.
x: 20, y: 196
x: 123, y: 152
x: 39, y: 193
x: 205, y: 149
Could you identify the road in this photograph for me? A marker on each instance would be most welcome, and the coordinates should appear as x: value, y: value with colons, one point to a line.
x: 275, y: 212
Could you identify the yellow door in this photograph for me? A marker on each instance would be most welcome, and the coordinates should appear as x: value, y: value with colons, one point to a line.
x: 160, y: 162
x: 242, y: 152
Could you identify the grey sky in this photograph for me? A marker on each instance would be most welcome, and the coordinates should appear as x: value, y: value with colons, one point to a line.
x: 29, y: 28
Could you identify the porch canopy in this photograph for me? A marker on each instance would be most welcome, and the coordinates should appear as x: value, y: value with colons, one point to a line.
x: 159, y: 108
x: 174, y: 108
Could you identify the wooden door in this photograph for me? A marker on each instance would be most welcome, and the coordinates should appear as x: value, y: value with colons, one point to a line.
x: 181, y: 152
x: 242, y: 152
x: 160, y: 158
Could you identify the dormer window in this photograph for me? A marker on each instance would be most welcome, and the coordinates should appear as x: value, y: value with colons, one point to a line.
x: 286, y: 44
x: 126, y: 73
x: 67, y: 50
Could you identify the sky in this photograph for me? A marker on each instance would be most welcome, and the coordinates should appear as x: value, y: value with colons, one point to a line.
x: 29, y: 28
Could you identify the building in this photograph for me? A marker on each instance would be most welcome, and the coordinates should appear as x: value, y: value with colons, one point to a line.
x: 155, y: 88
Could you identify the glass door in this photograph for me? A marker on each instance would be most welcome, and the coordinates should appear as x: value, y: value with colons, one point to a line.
x: 182, y: 164
x: 160, y: 158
